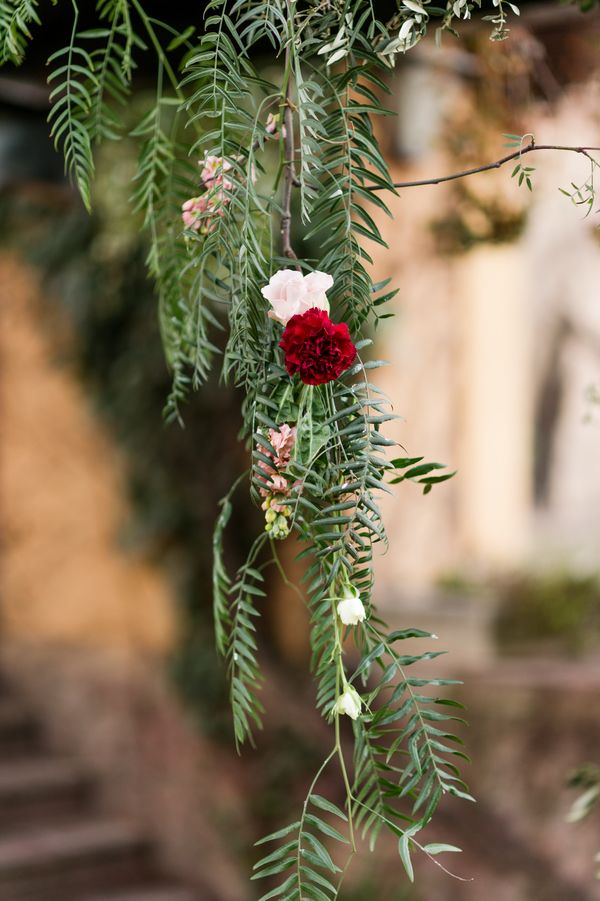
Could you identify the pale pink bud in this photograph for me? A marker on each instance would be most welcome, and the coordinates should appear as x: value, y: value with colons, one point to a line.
x: 212, y: 167
x: 291, y: 294
x: 193, y: 210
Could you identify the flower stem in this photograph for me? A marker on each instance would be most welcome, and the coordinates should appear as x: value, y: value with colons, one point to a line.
x: 319, y: 772
x: 341, y: 683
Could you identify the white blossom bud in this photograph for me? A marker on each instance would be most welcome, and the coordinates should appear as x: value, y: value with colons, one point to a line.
x: 351, y: 609
x: 349, y: 703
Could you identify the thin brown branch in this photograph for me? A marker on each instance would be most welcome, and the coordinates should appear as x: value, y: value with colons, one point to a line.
x: 288, y: 183
x: 530, y: 148
x: 289, y: 176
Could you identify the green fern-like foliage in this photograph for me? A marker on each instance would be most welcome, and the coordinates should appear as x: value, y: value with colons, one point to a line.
x: 296, y: 145
x: 73, y: 79
x: 17, y: 19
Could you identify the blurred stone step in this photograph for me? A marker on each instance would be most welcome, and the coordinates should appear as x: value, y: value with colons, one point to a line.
x: 55, y: 844
x: 39, y: 790
x: 19, y: 732
x: 64, y: 862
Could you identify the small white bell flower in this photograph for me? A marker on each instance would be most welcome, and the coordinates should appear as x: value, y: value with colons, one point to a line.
x: 351, y: 609
x: 349, y: 703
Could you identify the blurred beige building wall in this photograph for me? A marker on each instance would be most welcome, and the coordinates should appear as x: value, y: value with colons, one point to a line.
x: 481, y: 344
x: 62, y: 490
x: 494, y: 443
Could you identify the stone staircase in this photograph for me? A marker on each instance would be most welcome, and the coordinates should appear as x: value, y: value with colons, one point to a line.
x: 55, y: 842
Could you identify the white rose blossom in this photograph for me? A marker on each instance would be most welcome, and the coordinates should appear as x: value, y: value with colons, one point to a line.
x: 290, y: 293
x: 349, y: 703
x: 350, y: 609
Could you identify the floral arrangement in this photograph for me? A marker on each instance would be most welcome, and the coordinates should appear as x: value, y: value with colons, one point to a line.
x: 318, y: 464
x: 295, y: 148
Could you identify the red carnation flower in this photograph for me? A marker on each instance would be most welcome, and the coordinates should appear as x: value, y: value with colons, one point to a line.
x: 317, y: 348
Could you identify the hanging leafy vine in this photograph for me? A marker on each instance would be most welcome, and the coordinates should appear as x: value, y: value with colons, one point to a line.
x: 232, y: 165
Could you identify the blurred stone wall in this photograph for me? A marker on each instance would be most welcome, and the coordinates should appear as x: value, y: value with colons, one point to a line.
x: 479, y: 340
x: 62, y: 490
x: 86, y: 626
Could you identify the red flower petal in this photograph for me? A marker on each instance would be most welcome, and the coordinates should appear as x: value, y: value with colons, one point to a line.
x: 316, y: 348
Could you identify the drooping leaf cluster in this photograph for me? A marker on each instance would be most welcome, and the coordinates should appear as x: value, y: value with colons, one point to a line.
x: 321, y: 169
x: 17, y: 19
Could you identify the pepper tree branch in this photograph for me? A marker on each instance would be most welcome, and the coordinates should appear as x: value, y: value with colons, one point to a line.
x: 530, y: 148
x: 289, y: 179
x: 289, y: 175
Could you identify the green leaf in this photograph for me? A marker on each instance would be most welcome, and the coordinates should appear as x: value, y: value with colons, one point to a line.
x: 402, y: 634
x: 403, y: 462
x: 281, y: 833
x: 423, y: 470
x: 180, y: 39
x: 326, y: 829
x: 280, y: 890
x: 321, y: 857
x: 437, y: 848
x: 324, y: 804
x: 404, y: 851
x: 453, y: 790
x: 276, y: 855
